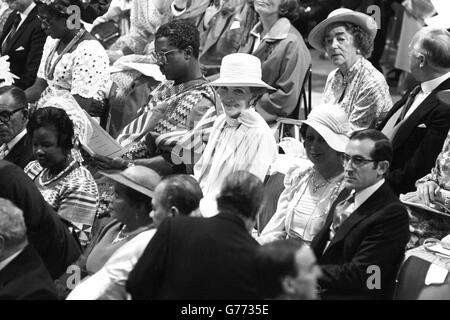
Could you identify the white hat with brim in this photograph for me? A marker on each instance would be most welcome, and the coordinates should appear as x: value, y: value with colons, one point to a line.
x: 139, y: 178
x: 317, y: 34
x: 241, y: 70
x: 331, y: 122
x: 444, y: 96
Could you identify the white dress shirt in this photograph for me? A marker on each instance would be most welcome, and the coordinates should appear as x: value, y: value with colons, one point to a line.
x: 24, y: 15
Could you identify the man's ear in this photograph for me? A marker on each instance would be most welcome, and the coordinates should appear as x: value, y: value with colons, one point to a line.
x: 173, y: 211
x: 25, y: 114
x: 188, y: 52
x: 422, y: 60
x: 288, y: 285
x: 383, y: 167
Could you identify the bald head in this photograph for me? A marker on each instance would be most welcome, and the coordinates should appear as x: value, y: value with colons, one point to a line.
x: 434, y: 45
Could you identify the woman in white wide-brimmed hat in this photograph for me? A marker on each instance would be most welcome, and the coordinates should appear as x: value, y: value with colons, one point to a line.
x: 308, y: 194
x: 240, y: 138
x: 356, y: 85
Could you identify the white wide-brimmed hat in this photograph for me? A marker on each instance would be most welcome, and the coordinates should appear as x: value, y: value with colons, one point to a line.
x: 317, y: 34
x: 241, y: 70
x: 139, y: 178
x: 331, y: 122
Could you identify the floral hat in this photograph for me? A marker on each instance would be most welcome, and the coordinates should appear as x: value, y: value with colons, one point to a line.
x: 59, y: 5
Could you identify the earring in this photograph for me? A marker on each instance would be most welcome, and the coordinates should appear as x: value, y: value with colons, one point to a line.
x: 358, y: 52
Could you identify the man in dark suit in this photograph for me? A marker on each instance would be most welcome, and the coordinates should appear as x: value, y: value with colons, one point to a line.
x: 418, y: 124
x: 23, y: 39
x: 22, y: 272
x: 204, y: 258
x: 15, y: 144
x: 46, y: 232
x: 363, y: 241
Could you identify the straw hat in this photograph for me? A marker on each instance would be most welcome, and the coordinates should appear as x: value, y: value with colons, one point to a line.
x: 241, y: 70
x: 139, y: 178
x: 331, y: 122
x: 366, y: 22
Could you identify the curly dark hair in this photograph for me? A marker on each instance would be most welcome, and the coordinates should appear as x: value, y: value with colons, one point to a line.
x: 361, y: 39
x: 289, y: 9
x: 181, y: 34
x: 55, y: 118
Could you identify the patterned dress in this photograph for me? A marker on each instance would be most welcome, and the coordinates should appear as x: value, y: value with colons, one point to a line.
x: 363, y: 94
x: 72, y: 194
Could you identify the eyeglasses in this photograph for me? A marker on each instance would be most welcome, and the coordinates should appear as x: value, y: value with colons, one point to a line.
x: 358, y: 161
x: 161, y: 56
x: 6, y: 116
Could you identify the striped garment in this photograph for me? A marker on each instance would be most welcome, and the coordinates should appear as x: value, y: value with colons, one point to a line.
x: 74, y: 196
x: 172, y: 116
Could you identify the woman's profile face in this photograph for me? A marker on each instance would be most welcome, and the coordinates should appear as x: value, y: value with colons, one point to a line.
x: 121, y: 207
x: 317, y: 149
x: 46, y: 149
x: 54, y: 26
x: 340, y: 47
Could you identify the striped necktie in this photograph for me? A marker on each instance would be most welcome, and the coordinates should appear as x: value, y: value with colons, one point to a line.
x: 408, y: 103
x: 341, y: 213
x: 11, y: 33
x: 3, y: 151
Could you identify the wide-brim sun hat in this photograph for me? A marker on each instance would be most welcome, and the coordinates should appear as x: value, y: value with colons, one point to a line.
x: 241, y: 70
x: 331, y: 122
x: 139, y: 178
x: 366, y: 22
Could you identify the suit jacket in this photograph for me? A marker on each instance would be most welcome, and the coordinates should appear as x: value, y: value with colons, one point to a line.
x: 22, y: 152
x: 30, y: 37
x: 26, y: 278
x: 45, y: 230
x: 418, y: 141
x: 197, y: 258
x: 375, y: 234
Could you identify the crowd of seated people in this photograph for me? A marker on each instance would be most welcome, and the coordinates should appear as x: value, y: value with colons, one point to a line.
x: 178, y: 218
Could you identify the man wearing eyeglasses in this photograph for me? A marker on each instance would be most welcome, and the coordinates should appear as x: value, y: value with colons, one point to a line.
x: 363, y: 241
x: 14, y: 143
x: 22, y: 39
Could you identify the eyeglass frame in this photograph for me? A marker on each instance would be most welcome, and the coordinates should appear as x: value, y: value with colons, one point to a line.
x: 46, y: 20
x: 9, y: 114
x: 160, y: 56
x: 360, y: 161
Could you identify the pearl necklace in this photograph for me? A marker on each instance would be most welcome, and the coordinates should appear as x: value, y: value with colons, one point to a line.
x: 317, y: 186
x: 49, y: 66
x: 58, y: 176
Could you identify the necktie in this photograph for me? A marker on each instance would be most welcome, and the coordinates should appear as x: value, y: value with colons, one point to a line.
x: 341, y: 213
x: 13, y: 30
x: 408, y: 103
x: 3, y: 151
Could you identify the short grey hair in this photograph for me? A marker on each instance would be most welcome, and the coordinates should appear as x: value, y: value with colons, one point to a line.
x: 12, y: 224
x: 434, y: 43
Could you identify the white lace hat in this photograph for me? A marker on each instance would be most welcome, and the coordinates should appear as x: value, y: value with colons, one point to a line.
x: 317, y: 34
x: 241, y: 70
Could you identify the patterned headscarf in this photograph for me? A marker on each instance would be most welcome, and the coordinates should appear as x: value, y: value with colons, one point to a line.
x: 60, y: 5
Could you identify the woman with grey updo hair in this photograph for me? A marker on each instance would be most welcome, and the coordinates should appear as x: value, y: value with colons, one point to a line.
x: 356, y: 85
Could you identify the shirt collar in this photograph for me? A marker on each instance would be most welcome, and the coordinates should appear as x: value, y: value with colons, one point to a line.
x: 363, y: 195
x: 279, y: 30
x: 5, y: 262
x: 352, y: 71
x: 430, y: 85
x: 16, y: 139
x: 27, y: 11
